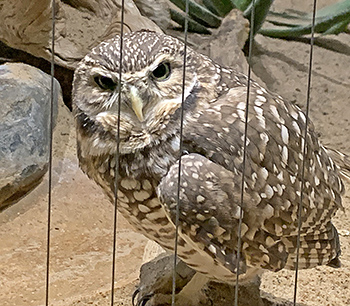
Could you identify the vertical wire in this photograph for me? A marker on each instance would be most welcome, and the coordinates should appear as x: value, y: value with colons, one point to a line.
x: 180, y: 154
x: 116, y: 171
x: 300, y: 207
x: 49, y: 195
x: 239, y: 241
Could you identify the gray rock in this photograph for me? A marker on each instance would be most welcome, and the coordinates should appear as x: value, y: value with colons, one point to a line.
x: 157, y: 10
x: 156, y: 279
x: 231, y: 36
x: 24, y: 129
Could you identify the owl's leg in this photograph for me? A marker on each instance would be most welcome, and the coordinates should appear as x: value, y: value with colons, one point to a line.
x: 191, y: 291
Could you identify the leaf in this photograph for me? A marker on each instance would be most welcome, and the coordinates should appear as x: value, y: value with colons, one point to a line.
x: 332, y: 19
x: 219, y: 7
x: 242, y: 5
x: 199, y: 13
x: 261, y: 9
x: 193, y: 26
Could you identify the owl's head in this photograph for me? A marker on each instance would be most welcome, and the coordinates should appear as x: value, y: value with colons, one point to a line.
x: 151, y: 88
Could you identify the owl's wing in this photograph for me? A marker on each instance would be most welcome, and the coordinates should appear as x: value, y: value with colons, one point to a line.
x: 207, y: 217
x: 273, y: 181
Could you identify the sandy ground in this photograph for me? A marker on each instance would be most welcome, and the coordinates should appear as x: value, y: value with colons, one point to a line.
x: 82, y: 218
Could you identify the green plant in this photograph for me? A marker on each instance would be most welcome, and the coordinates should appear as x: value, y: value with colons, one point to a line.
x: 332, y: 19
x: 207, y: 14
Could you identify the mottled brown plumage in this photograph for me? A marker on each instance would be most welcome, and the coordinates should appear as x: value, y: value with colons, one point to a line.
x: 214, y: 120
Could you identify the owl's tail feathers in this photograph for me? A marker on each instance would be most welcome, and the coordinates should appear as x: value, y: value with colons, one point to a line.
x: 315, y: 249
x: 342, y: 162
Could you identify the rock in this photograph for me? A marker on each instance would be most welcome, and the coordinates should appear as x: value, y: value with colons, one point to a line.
x: 152, y: 250
x: 223, y: 294
x: 157, y: 10
x: 231, y: 35
x: 24, y: 129
x: 80, y: 24
x: 156, y: 279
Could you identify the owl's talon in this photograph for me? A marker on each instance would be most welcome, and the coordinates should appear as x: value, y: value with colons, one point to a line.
x: 143, y: 300
x: 134, y: 295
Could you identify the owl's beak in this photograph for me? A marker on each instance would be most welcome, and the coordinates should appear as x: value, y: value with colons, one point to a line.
x: 136, y: 103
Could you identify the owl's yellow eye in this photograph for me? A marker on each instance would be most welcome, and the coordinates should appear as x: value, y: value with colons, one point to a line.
x: 105, y: 82
x: 162, y: 72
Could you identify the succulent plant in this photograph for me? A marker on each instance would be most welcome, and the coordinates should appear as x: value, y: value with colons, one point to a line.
x: 205, y: 15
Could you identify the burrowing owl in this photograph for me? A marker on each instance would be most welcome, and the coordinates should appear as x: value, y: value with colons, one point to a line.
x: 211, y: 171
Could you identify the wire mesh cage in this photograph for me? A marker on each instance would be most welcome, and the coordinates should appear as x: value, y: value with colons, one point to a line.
x: 63, y: 244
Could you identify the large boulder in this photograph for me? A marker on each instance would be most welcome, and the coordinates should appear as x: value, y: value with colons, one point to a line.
x: 79, y: 24
x: 25, y: 95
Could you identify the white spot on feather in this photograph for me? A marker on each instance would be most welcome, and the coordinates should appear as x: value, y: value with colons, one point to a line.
x: 285, y: 155
x: 141, y: 195
x: 241, y: 105
x: 296, y: 127
x: 143, y: 208
x: 200, y: 199
x: 317, y: 181
x: 275, y: 113
x: 263, y: 173
x: 269, y: 191
x: 212, y: 249
x: 284, y: 134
